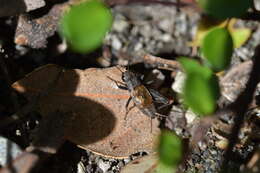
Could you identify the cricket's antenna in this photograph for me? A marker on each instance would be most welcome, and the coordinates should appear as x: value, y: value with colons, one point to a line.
x: 118, y: 67
x: 151, y: 125
x: 160, y: 115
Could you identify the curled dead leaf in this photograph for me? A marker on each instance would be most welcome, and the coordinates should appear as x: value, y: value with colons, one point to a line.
x: 97, y: 107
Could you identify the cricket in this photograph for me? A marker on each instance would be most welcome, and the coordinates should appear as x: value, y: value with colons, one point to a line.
x: 142, y: 96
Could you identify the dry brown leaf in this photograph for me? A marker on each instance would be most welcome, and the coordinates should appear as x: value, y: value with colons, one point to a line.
x: 98, y: 107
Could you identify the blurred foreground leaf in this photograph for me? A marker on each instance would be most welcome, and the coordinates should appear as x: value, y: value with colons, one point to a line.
x: 223, y: 9
x: 162, y: 168
x: 84, y: 26
x: 217, y: 48
x: 206, y: 24
x: 240, y: 36
x: 170, y: 149
x: 201, y: 89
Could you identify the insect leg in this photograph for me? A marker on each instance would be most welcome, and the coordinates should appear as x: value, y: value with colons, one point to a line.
x: 163, y: 106
x: 160, y: 115
x: 127, y: 103
x: 119, y: 68
x: 151, y: 125
x: 119, y: 84
x: 128, y: 110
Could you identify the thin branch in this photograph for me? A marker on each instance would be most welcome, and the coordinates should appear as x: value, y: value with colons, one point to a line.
x: 240, y: 106
x: 161, y: 63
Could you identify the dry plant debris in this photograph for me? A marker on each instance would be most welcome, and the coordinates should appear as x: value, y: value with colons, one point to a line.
x: 97, y: 107
x: 34, y: 32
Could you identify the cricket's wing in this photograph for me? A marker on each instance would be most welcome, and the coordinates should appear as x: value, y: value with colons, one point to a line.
x: 158, y: 98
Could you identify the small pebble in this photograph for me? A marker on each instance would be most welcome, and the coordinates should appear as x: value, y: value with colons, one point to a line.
x: 103, y: 165
x: 81, y: 168
x: 222, y: 144
x: 179, y: 81
x: 116, y: 44
x: 8, y: 149
x: 120, y: 25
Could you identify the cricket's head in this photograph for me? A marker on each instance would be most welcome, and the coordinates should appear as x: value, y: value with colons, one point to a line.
x: 130, y: 79
x: 128, y: 76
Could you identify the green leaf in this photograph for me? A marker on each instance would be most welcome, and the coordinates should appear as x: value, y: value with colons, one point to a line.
x: 191, y: 66
x: 206, y: 24
x: 170, y: 149
x: 217, y: 48
x: 223, y: 9
x: 85, y: 25
x: 162, y: 168
x: 201, y: 89
x: 201, y: 94
x: 240, y: 36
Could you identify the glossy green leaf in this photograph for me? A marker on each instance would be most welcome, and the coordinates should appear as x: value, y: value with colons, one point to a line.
x: 170, y: 149
x: 217, y: 48
x: 223, y: 9
x: 84, y: 26
x: 201, y: 89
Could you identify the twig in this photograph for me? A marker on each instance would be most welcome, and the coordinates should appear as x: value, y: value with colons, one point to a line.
x: 240, y: 106
x: 161, y: 63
